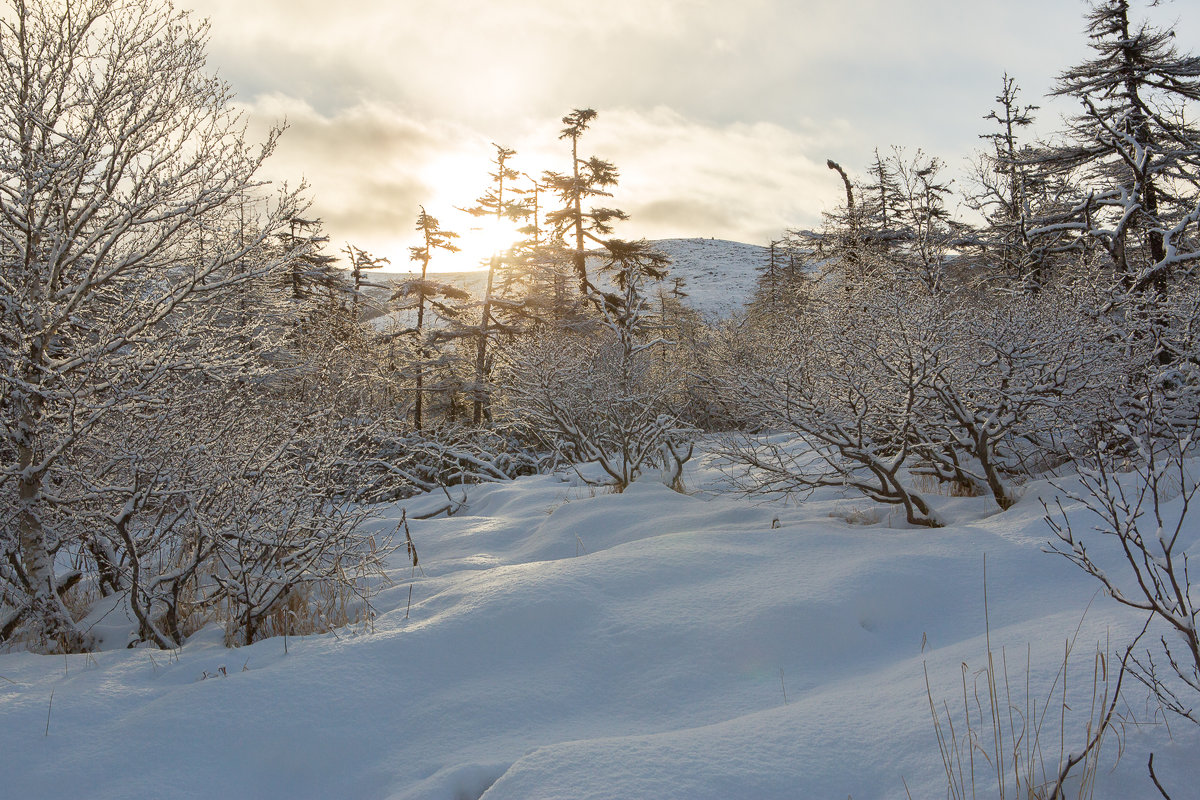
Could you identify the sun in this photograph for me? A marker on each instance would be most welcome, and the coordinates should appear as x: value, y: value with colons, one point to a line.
x: 455, y: 180
x: 488, y: 237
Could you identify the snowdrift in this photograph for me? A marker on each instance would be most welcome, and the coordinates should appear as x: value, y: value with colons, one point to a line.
x: 566, y: 643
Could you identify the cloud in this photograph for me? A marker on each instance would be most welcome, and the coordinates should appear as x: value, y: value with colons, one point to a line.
x: 743, y: 181
x: 719, y: 115
x: 371, y: 165
x: 367, y: 166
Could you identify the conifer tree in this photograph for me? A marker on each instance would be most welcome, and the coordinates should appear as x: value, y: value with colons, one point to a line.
x: 895, y: 228
x: 927, y: 227
x: 881, y: 197
x: 360, y: 262
x: 421, y: 293
x: 1003, y: 191
x: 1027, y: 209
x: 770, y: 282
x: 536, y: 281
x: 624, y: 260
x: 574, y: 223
x: 1133, y: 146
x: 500, y: 202
x: 309, y: 267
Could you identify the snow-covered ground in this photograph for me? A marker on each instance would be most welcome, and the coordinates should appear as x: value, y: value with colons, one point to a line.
x: 568, y: 643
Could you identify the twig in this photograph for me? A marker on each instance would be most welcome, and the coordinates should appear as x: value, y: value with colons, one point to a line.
x: 49, y: 707
x: 1153, y: 777
x: 451, y: 508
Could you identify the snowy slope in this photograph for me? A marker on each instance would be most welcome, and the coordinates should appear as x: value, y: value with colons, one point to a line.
x: 719, y: 276
x: 568, y: 644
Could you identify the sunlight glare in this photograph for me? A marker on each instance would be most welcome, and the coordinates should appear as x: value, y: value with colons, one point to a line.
x: 489, y: 237
x: 455, y: 180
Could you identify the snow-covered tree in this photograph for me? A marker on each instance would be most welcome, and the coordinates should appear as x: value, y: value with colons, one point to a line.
x: 891, y: 389
x: 599, y: 395
x: 1138, y: 484
x: 853, y: 394
x: 309, y: 269
x: 898, y: 227
x: 115, y: 147
x: 424, y: 294
x: 1134, y: 148
x: 1002, y: 193
x: 360, y: 263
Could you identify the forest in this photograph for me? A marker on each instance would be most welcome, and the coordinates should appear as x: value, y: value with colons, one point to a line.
x: 204, y: 402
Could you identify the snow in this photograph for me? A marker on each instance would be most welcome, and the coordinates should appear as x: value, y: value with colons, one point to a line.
x: 719, y: 277
x: 566, y: 642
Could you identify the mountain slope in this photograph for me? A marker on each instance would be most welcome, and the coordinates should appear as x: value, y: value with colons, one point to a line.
x: 718, y: 275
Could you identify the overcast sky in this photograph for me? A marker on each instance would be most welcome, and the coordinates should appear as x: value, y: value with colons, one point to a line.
x: 719, y: 114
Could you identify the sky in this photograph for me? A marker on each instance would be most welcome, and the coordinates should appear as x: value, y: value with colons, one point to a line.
x: 719, y: 115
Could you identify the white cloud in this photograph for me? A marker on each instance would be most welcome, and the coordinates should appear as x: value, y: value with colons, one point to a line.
x: 371, y: 165
x: 720, y: 115
x: 682, y: 177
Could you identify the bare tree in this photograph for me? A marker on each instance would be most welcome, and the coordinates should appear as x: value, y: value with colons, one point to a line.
x: 1138, y: 483
x: 1012, y: 373
x: 599, y: 395
x: 116, y: 151
x: 893, y: 383
x: 853, y: 394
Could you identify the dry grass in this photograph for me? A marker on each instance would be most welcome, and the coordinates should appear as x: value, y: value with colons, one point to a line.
x: 1008, y: 742
x: 930, y: 484
x: 860, y: 515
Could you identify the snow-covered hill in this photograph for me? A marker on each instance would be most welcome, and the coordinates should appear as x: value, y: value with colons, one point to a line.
x: 567, y: 643
x: 718, y: 275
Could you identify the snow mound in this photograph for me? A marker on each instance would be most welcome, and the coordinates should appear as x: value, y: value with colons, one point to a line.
x: 566, y: 642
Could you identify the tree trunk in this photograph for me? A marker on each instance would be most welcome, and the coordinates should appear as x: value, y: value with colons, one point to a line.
x: 50, y: 618
x: 481, y: 350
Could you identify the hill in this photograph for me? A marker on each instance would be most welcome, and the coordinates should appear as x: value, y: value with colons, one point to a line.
x: 718, y: 275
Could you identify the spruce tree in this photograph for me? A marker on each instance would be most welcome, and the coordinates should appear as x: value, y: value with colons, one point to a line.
x: 574, y: 223
x: 1003, y: 192
x: 422, y: 292
x: 1133, y: 146
x: 360, y: 262
x: 309, y: 267
x: 501, y: 201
